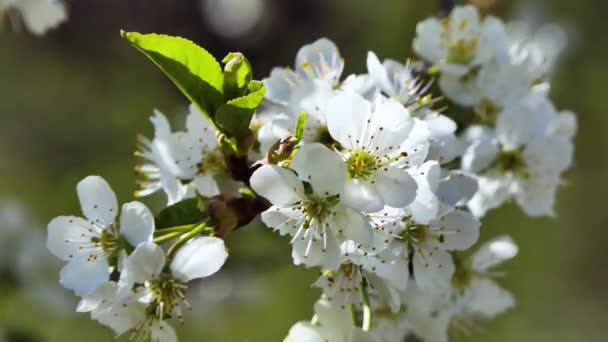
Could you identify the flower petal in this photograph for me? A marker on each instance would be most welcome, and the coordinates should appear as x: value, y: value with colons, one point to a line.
x: 199, y: 258
x: 304, y: 332
x: 206, y: 185
x: 200, y: 130
x: 283, y: 219
x: 322, y: 167
x: 494, y: 253
x: 84, y: 276
x: 146, y: 262
x: 460, y: 230
x: 66, y: 236
x: 136, y: 223
x: 353, y: 226
x: 433, y: 270
x: 97, y: 200
x: 346, y: 115
x: 278, y: 185
x: 362, y: 195
x: 396, y: 187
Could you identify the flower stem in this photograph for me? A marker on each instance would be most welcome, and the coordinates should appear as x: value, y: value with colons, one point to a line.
x: 167, y: 237
x: 186, y: 238
x: 367, y: 311
x: 183, y: 228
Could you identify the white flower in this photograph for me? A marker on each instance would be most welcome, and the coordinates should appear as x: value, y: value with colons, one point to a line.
x: 161, y: 169
x: 475, y: 294
x: 88, y: 244
x: 334, y: 324
x: 427, y: 246
x: 320, y: 60
x: 147, y: 294
x: 539, y: 50
x: 378, y: 145
x: 364, y: 267
x: 461, y: 41
x: 523, y: 158
x: 39, y: 16
x: 310, y: 97
x: 397, y: 81
x: 316, y: 219
x: 173, y: 159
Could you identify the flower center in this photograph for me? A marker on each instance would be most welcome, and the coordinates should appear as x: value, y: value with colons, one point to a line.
x: 512, y: 160
x: 318, y: 208
x: 212, y: 163
x: 487, y: 111
x: 167, y: 294
x: 461, y: 51
x: 109, y: 241
x: 415, y: 234
x: 361, y: 165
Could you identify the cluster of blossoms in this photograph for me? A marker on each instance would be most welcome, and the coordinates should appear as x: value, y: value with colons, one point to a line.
x: 38, y: 16
x: 372, y: 184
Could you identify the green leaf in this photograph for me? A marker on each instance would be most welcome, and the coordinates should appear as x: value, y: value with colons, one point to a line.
x: 193, y: 70
x: 237, y: 75
x: 300, y: 126
x: 180, y: 213
x: 234, y: 116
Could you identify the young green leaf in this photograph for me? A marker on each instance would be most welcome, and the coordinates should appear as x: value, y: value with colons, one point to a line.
x: 300, y: 126
x: 193, y: 70
x: 237, y: 75
x: 234, y: 116
x: 180, y: 213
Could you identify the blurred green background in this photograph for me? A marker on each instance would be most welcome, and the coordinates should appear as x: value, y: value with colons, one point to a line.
x: 72, y: 102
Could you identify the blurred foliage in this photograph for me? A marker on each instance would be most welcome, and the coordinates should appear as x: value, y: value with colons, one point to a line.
x: 72, y: 102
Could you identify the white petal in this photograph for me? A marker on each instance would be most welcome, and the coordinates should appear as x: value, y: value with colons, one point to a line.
x: 97, y: 200
x: 280, y: 84
x: 199, y: 258
x: 102, y: 294
x: 84, y: 276
x: 304, y: 332
x: 162, y: 128
x: 41, y: 16
x: 66, y: 236
x: 206, y: 185
x: 283, y: 219
x: 488, y: 299
x: 146, y: 262
x: 172, y: 186
x: 362, y: 195
x: 494, y: 253
x: 353, y: 225
x: 278, y: 185
x: 460, y: 230
x: 396, y: 187
x: 332, y: 315
x: 536, y: 194
x: 136, y: 223
x: 433, y: 271
x: 317, y: 255
x: 492, y: 192
x: 322, y: 167
x: 389, y: 126
x: 347, y: 115
x: 457, y: 189
x: 200, y: 129
x: 161, y: 331
x: 321, y: 59
x: 379, y: 74
x: 479, y: 155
